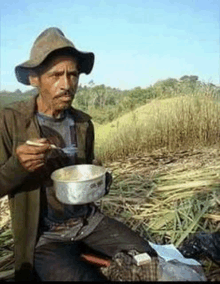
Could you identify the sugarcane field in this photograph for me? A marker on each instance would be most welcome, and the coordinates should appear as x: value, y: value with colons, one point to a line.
x: 167, y: 197
x: 164, y: 158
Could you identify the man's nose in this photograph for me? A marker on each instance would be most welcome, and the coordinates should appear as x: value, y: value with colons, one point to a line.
x: 65, y: 82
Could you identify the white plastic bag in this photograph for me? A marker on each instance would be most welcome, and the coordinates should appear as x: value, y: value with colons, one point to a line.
x: 173, y: 266
x: 174, y: 270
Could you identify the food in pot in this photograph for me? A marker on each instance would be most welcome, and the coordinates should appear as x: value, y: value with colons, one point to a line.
x: 74, y: 177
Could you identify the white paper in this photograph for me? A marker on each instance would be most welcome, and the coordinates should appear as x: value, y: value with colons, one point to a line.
x: 169, y: 252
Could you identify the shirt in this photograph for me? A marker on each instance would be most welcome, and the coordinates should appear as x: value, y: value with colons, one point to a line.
x: 59, y: 131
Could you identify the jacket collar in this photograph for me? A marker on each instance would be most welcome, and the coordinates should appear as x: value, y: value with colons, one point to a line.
x: 28, y: 109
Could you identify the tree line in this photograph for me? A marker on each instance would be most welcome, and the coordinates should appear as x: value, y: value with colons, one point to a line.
x: 105, y: 103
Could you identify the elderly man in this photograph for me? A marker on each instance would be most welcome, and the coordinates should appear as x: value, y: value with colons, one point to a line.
x: 49, y: 236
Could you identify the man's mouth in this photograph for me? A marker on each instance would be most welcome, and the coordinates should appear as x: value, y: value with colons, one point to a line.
x: 66, y: 98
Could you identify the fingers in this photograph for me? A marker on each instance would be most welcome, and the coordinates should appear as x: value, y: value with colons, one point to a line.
x: 33, y: 166
x: 31, y: 162
x: 35, y: 150
x: 33, y: 157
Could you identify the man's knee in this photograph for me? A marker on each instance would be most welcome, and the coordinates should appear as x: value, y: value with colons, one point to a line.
x: 61, y: 262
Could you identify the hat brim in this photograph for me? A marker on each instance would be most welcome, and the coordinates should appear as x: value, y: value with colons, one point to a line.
x: 85, y: 59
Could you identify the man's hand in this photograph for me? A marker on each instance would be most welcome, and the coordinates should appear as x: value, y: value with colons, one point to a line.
x: 33, y: 157
x: 108, y: 176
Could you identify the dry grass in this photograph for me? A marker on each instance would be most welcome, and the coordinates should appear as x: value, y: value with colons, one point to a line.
x: 5, y: 215
x: 174, y: 123
x: 167, y: 197
x: 165, y: 191
x: 6, y: 241
x: 164, y: 196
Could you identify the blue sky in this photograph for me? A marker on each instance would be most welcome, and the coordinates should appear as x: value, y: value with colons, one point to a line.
x: 136, y: 42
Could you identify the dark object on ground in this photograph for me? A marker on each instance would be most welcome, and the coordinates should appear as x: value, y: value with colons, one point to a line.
x: 202, y: 244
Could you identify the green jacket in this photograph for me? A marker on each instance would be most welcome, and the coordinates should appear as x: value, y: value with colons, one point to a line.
x: 18, y: 123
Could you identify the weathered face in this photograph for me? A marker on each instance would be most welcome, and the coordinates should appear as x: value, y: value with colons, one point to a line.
x: 58, y: 84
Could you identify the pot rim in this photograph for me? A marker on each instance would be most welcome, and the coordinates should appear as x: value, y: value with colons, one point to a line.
x: 77, y: 181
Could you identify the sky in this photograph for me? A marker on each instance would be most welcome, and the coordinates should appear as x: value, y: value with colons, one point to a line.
x: 136, y: 42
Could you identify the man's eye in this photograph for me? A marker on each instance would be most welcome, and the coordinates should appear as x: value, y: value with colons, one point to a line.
x: 75, y: 75
x: 55, y: 75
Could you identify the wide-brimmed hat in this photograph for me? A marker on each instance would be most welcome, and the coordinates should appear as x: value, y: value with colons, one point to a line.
x: 51, y: 40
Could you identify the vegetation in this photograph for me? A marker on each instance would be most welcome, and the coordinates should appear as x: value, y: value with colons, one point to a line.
x: 162, y: 145
x: 105, y: 104
x: 10, y: 97
x: 167, y: 196
x: 174, y: 123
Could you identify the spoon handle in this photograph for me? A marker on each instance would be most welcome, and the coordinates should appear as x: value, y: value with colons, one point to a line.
x: 32, y: 143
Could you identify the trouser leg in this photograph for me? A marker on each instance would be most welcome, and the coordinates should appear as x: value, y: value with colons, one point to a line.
x: 58, y: 261
x: 112, y: 236
x: 114, y: 239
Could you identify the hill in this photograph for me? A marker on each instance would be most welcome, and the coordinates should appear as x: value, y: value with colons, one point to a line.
x: 10, y: 97
x: 105, y: 104
x: 163, y: 151
x: 183, y: 122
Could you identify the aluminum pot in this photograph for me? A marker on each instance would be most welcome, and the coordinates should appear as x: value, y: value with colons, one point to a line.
x: 79, y: 184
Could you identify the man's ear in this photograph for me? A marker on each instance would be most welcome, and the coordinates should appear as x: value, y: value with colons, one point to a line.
x: 33, y: 79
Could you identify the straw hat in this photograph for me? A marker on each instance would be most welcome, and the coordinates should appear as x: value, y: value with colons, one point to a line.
x: 50, y: 40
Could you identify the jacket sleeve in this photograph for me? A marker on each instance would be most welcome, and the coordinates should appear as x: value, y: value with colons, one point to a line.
x: 12, y: 173
x: 90, y: 143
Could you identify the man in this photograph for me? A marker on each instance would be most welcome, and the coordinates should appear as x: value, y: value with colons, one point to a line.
x: 49, y: 236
